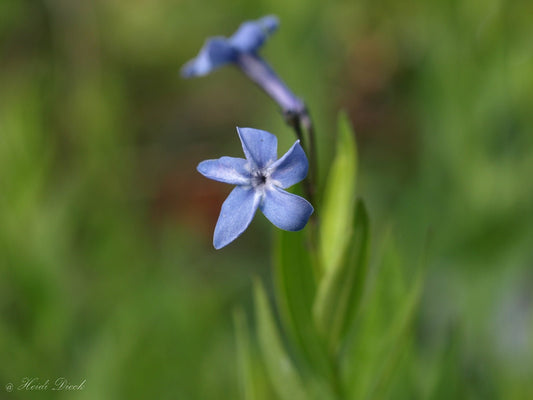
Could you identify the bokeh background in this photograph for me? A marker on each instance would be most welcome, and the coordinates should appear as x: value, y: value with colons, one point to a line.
x: 107, y: 272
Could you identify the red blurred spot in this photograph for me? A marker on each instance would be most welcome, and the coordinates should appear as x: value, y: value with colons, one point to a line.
x: 188, y: 198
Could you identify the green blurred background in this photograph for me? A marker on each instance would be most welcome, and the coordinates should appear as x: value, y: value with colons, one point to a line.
x: 107, y: 272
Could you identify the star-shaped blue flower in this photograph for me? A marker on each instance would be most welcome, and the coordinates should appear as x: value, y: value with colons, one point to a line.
x: 241, y: 49
x: 260, y: 179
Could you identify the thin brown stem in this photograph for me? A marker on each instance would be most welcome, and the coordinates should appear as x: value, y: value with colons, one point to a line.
x: 313, y: 160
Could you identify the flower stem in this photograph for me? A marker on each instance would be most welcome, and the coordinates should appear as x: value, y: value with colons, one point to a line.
x: 309, y: 127
x: 297, y: 120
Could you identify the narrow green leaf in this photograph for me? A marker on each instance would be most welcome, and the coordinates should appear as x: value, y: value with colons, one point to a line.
x: 397, y: 337
x: 341, y: 288
x: 339, y: 197
x: 295, y: 293
x: 384, y: 327
x: 244, y: 356
x: 449, y: 381
x: 295, y: 283
x: 283, y: 375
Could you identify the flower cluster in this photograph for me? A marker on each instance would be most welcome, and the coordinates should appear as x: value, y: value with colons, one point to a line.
x: 261, y: 177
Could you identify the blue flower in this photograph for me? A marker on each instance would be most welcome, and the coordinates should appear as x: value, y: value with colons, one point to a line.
x: 260, y: 179
x: 241, y: 50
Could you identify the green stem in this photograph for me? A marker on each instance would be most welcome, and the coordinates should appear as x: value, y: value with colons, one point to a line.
x: 296, y: 120
x: 336, y: 378
x: 309, y: 127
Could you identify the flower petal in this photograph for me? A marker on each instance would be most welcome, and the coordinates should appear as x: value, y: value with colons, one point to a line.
x: 291, y: 168
x: 215, y: 53
x: 226, y: 169
x: 236, y: 214
x: 251, y: 35
x: 260, y: 147
x: 286, y: 210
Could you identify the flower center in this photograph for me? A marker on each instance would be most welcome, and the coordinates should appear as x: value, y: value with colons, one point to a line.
x: 259, y: 178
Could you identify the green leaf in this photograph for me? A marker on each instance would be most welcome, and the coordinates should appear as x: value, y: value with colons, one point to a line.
x: 295, y: 290
x: 383, y: 327
x: 283, y: 375
x: 339, y: 197
x: 244, y: 356
x: 341, y: 288
x: 449, y: 381
x: 395, y: 341
x: 295, y: 283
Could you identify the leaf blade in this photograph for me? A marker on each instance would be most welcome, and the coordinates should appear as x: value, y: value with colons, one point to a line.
x: 283, y: 375
x: 244, y: 356
x: 339, y: 197
x: 341, y: 289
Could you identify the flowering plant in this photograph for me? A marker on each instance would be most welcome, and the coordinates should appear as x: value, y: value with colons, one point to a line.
x: 330, y: 302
